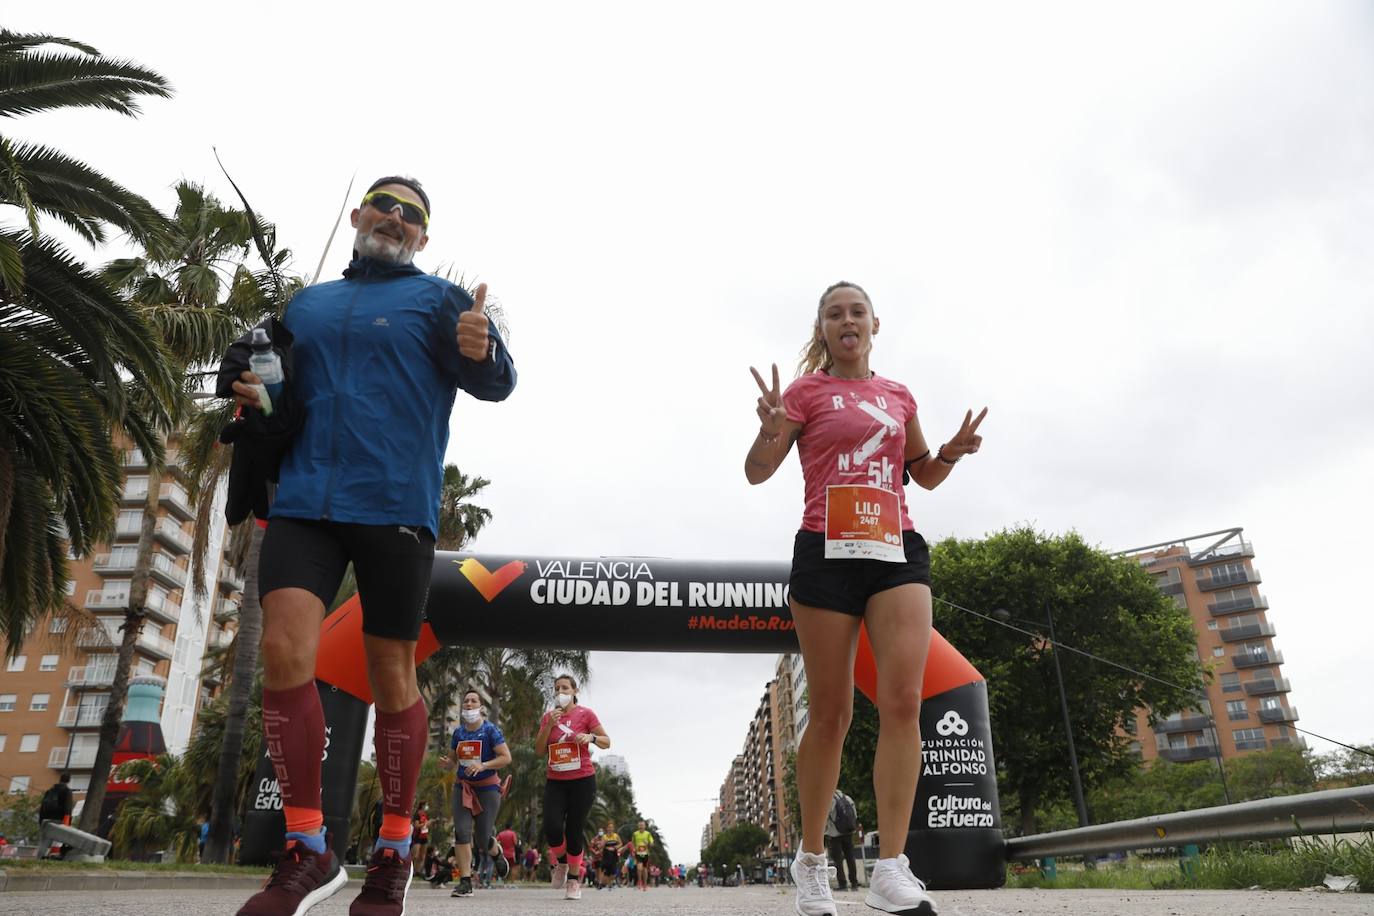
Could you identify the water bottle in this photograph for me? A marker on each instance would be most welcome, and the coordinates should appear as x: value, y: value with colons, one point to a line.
x: 266, y: 365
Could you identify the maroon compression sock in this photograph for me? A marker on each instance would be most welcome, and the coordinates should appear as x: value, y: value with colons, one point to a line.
x: 400, y: 739
x: 293, y: 729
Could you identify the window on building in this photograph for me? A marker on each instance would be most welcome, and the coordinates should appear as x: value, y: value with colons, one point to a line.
x: 17, y: 663
x: 2, y: 742
x: 28, y: 744
x: 145, y: 666
x: 1235, y: 709
x: 48, y: 663
x: 1177, y: 742
x: 58, y: 625
x: 1271, y: 703
x: 39, y: 703
x: 1230, y: 682
x: 71, y: 587
x: 19, y: 785
x: 1248, y: 734
x: 1218, y: 652
x: 1211, y: 624
x: 7, y: 701
x: 81, y: 783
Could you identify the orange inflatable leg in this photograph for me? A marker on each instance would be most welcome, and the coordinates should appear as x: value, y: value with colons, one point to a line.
x: 340, y: 662
x: 946, y: 668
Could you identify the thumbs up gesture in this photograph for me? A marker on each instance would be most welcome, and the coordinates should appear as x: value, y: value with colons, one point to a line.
x: 473, y: 338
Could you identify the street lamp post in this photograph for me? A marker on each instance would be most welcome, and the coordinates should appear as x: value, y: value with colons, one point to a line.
x: 1079, y: 803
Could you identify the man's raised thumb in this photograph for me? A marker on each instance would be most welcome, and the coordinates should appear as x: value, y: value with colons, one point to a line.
x: 479, y: 298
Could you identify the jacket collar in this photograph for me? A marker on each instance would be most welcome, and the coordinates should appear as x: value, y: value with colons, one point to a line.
x: 361, y: 268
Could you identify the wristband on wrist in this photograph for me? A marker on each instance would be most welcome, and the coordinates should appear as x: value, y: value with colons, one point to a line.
x: 940, y: 456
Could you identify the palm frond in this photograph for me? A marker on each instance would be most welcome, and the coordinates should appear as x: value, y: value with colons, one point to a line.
x: 43, y: 81
x: 83, y: 197
x: 12, y: 43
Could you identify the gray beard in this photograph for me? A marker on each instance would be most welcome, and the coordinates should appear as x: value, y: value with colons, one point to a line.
x: 382, y: 248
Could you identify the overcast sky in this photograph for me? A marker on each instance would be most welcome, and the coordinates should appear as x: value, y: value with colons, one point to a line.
x: 1141, y: 236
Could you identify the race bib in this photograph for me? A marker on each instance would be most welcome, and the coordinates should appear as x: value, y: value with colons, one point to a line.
x: 863, y: 523
x: 469, y: 753
x: 564, y: 757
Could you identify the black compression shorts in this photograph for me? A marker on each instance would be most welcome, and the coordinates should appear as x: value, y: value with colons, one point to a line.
x: 846, y: 585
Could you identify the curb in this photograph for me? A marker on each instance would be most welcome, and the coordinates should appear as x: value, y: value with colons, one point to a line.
x: 124, y: 881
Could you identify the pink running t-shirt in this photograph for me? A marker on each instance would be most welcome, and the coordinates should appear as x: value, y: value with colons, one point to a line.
x: 581, y: 721
x: 853, y: 433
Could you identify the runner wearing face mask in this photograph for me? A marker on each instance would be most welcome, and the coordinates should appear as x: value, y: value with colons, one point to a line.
x: 565, y: 735
x: 479, y: 751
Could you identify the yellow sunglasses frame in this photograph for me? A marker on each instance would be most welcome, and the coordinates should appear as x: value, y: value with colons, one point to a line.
x: 367, y: 199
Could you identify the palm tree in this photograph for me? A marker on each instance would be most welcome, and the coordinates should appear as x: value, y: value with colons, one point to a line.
x: 162, y: 814
x: 192, y: 287
x: 72, y: 352
x: 460, y: 520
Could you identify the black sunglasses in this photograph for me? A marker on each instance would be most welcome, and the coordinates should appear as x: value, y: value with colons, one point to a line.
x: 385, y: 201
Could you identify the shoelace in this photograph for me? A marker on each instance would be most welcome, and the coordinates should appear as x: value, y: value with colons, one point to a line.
x: 289, y: 870
x: 822, y: 887
x: 385, y: 877
x: 904, y: 870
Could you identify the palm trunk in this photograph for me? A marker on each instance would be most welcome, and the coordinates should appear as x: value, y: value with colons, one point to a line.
x: 132, y: 627
x: 225, y: 801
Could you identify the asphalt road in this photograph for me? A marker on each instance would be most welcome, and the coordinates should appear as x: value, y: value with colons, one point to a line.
x: 748, y: 901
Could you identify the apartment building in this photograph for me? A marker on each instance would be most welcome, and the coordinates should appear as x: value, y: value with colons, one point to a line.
x: 53, y: 695
x: 1247, y: 706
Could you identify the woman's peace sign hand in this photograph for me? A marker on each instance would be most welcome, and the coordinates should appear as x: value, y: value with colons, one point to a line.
x: 770, y: 409
x: 966, y: 441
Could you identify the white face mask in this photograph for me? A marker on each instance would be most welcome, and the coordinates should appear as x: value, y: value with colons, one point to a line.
x: 472, y: 715
x: 563, y: 699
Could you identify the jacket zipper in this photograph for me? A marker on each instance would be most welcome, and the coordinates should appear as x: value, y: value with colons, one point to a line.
x: 334, y: 415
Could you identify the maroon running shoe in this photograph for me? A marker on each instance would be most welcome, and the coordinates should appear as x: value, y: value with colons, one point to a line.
x: 384, y: 890
x: 301, y: 879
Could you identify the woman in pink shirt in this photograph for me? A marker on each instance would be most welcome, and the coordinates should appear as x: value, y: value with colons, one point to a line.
x: 857, y: 559
x: 565, y: 735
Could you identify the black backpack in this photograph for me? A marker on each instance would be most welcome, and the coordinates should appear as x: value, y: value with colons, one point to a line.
x: 846, y: 818
x: 53, y: 805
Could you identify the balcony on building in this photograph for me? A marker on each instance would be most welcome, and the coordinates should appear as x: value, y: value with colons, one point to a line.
x: 99, y: 600
x: 176, y: 465
x: 135, y: 492
x: 87, y: 677
x: 1233, y: 606
x: 82, y: 758
x: 1171, y: 588
x: 175, y: 499
x: 128, y: 529
x: 155, y: 644
x: 1255, y: 659
x: 226, y: 607
x: 165, y: 570
x: 1263, y: 685
x: 1229, y: 580
x: 1193, y: 722
x: 1251, y: 744
x: 97, y: 637
x: 77, y: 717
x: 1234, y: 550
x: 107, y: 564
x: 1188, y: 754
x: 1297, y: 741
x: 168, y: 533
x: 230, y: 578
x: 1278, y: 714
x: 1248, y: 631
x: 133, y: 459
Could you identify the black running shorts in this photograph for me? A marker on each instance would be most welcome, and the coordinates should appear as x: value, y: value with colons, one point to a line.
x: 392, y: 564
x: 846, y: 585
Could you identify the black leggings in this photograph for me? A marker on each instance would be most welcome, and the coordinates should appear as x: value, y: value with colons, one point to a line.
x: 567, y: 802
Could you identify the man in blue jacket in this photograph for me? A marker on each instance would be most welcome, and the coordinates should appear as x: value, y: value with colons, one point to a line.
x: 378, y: 358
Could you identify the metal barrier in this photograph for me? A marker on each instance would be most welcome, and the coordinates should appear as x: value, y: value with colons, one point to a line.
x: 1331, y: 811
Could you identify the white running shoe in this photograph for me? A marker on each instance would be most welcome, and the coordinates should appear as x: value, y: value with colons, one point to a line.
x: 560, y: 875
x: 812, y: 874
x: 894, y: 889
x: 572, y: 890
